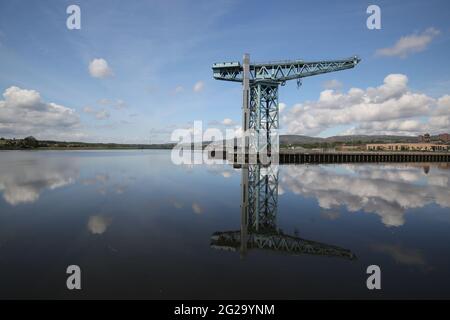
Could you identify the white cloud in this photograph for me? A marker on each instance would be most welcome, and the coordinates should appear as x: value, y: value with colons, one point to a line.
x: 238, y: 132
x: 227, y: 122
x: 22, y: 113
x: 118, y: 104
x: 199, y: 86
x: 410, y: 44
x: 102, y: 114
x: 281, y: 106
x: 88, y: 109
x: 402, y: 255
x: 99, y: 114
x: 178, y: 89
x: 390, y: 108
x: 104, y: 102
x: 99, y: 68
x: 332, y: 84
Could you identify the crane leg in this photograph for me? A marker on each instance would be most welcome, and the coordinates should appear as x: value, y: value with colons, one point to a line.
x: 264, y: 118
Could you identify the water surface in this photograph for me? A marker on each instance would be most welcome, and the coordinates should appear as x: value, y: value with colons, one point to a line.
x: 142, y: 227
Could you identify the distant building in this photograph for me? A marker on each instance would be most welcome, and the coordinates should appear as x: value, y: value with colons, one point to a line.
x: 406, y: 147
x: 425, y: 138
x: 444, y: 137
x: 349, y: 148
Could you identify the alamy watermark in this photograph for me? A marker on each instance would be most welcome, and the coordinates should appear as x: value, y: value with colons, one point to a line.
x: 73, y: 281
x: 217, y: 146
x: 373, y: 22
x: 73, y: 21
x: 374, y: 280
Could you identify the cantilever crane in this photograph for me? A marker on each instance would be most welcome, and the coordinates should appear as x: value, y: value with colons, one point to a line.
x: 259, y: 210
x: 260, y: 89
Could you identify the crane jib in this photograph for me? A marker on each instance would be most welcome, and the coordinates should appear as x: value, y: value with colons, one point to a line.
x: 281, y: 71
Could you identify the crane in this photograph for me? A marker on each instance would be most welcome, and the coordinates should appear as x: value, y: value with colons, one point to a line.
x: 259, y: 210
x: 260, y: 111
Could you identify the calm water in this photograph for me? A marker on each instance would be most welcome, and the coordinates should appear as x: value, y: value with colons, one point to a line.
x: 141, y: 227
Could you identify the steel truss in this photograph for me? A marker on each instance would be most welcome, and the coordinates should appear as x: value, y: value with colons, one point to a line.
x: 260, y: 114
x: 262, y: 198
x: 263, y: 115
x: 259, y: 209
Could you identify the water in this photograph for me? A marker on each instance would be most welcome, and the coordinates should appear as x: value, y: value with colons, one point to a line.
x: 141, y: 227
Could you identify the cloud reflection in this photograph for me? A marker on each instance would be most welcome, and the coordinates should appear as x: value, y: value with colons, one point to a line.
x: 98, y: 224
x: 386, y: 190
x: 23, y: 179
x: 402, y: 255
x: 197, y: 208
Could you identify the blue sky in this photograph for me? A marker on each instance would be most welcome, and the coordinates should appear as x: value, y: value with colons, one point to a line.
x: 157, y: 51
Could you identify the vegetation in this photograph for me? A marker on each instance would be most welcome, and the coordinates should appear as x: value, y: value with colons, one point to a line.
x: 356, y: 142
x: 33, y: 143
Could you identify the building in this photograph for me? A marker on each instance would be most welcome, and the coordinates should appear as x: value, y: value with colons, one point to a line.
x: 406, y: 147
x: 425, y: 138
x: 350, y: 148
x: 444, y: 137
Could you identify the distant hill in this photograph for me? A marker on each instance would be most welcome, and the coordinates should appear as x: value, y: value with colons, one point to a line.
x: 33, y: 143
x: 296, y: 140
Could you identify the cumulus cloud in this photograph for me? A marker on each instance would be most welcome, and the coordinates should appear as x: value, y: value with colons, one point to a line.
x: 199, y: 86
x: 99, y: 68
x: 410, y: 44
x: 22, y: 112
x: 391, y: 108
x: 228, y: 122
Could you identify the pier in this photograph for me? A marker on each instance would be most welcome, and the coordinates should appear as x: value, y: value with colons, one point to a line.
x: 287, y: 157
x: 298, y: 157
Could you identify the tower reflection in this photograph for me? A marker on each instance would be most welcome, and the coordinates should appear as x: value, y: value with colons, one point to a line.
x: 259, y: 204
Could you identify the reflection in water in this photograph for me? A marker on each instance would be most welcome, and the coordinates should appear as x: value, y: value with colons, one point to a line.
x: 23, y: 178
x: 197, y: 208
x: 403, y: 255
x: 134, y: 217
x: 98, y: 224
x: 259, y: 203
x: 387, y: 190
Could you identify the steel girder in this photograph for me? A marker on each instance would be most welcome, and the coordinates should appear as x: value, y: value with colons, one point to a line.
x: 262, y: 198
x: 259, y: 209
x: 281, y: 71
x: 263, y: 118
x: 260, y: 97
